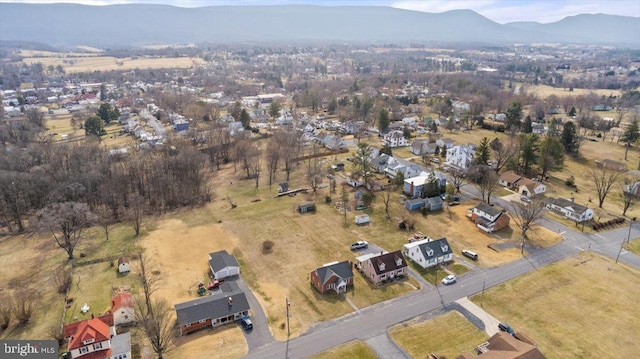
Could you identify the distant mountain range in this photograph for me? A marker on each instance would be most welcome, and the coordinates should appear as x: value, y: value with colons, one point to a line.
x: 139, y: 25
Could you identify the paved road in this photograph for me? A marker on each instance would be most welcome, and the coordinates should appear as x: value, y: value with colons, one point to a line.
x: 373, y: 321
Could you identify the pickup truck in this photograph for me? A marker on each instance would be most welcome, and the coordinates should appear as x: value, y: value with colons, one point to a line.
x: 359, y: 245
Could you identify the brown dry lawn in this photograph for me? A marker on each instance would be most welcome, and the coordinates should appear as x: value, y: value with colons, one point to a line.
x: 108, y: 63
x: 447, y: 335
x: 352, y: 350
x: 583, y: 307
x: 224, y: 343
x: 544, y: 91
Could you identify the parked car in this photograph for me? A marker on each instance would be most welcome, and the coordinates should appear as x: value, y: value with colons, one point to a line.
x: 504, y: 327
x: 246, y: 323
x: 450, y: 279
x: 435, y: 160
x: 359, y: 245
x: 470, y: 254
x: 330, y: 176
x: 525, y: 199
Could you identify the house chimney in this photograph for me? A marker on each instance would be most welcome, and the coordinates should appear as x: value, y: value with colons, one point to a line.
x: 230, y: 301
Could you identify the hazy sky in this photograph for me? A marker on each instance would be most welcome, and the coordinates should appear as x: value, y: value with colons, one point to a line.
x: 500, y: 11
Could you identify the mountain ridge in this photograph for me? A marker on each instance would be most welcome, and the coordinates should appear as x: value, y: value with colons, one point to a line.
x: 146, y: 24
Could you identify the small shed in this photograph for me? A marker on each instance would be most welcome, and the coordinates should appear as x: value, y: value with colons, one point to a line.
x: 433, y: 203
x: 362, y: 219
x: 123, y: 265
x: 306, y: 207
x: 414, y: 204
x: 338, y: 166
x: 283, y: 187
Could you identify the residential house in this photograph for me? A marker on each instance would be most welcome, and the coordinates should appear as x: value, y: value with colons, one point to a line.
x: 122, y: 308
x: 399, y: 165
x: 460, y: 106
x: 227, y: 306
x: 489, y: 218
x: 445, y: 143
x: 96, y: 338
x: 538, y: 129
x: 409, y: 121
x: 223, y: 265
x: 379, y: 163
x: 428, y: 253
x: 509, y: 179
x: 442, y: 122
x: 414, y: 186
x: 334, y: 143
x: 500, y: 117
x: 335, y: 276
x: 503, y: 345
x: 422, y: 146
x: 529, y: 188
x: 459, y: 157
x: 123, y: 265
x: 379, y: 268
x: 394, y: 139
x: 571, y: 210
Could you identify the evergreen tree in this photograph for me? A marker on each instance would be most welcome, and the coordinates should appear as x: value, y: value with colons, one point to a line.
x: 93, y: 126
x: 572, y: 111
x: 483, y: 152
x: 569, y: 137
x: 529, y: 152
x: 514, y: 112
x: 528, y: 128
x: 553, y: 130
x: 383, y: 119
x: 245, y: 118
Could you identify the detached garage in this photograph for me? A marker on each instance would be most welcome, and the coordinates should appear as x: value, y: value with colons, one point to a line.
x: 223, y: 265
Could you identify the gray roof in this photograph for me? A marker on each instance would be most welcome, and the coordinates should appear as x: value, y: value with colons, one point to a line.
x: 440, y: 247
x: 489, y: 209
x: 121, y: 344
x: 211, y: 306
x: 565, y: 203
x: 342, y: 270
x: 221, y: 259
x: 434, y: 200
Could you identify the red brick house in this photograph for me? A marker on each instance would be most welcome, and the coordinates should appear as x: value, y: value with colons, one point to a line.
x: 336, y: 277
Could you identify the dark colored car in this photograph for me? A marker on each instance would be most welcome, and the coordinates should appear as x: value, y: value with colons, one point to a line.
x: 246, y: 323
x: 504, y: 327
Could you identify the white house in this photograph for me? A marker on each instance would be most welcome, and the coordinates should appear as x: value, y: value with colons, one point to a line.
x: 398, y: 165
x: 409, y: 121
x: 97, y: 338
x: 122, y: 308
x: 459, y: 157
x: 571, y: 210
x: 428, y: 253
x: 395, y: 139
x: 529, y: 188
x: 445, y: 143
x: 223, y: 265
x: 123, y: 265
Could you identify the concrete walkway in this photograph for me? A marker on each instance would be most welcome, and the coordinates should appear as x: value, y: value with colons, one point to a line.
x: 385, y: 348
x: 490, y: 323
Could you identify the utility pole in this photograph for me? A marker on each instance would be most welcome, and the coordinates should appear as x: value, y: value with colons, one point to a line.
x: 482, y: 296
x: 628, y: 239
x: 288, y: 329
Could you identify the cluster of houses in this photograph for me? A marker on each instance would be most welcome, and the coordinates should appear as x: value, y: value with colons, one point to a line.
x: 378, y: 268
x: 225, y: 305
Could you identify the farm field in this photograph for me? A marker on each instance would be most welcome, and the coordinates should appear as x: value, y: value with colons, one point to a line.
x: 94, y: 63
x: 544, y: 91
x: 580, y: 307
x: 447, y: 335
x: 352, y: 350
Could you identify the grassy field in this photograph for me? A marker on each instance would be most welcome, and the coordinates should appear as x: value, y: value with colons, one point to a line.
x: 544, y: 91
x: 93, y: 63
x: 634, y: 246
x: 582, y: 307
x: 224, y: 343
x: 447, y: 335
x: 352, y: 350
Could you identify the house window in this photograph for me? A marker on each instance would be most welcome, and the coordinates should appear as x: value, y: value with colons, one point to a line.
x: 88, y: 341
x: 97, y: 346
x: 383, y: 277
x: 330, y: 286
x: 202, y: 321
x: 187, y: 325
x: 84, y: 350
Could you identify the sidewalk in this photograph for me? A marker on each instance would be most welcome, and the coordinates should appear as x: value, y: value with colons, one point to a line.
x: 490, y: 323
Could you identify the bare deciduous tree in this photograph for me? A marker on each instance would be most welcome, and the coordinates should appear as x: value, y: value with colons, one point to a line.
x: 66, y: 222
x: 502, y: 153
x: 457, y: 179
x: 525, y: 216
x: 5, y: 312
x: 603, y: 179
x: 486, y: 179
x: 386, y: 199
x: 157, y: 324
x: 135, y: 212
x: 150, y: 278
x: 63, y: 279
x: 628, y: 194
x: 23, y: 303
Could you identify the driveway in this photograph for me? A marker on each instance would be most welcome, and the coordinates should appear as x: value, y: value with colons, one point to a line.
x: 490, y: 323
x: 260, y: 334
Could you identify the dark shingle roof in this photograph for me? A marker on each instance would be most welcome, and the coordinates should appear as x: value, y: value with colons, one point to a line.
x: 211, y: 306
x: 565, y: 203
x: 389, y: 260
x: 342, y: 270
x: 489, y: 209
x: 440, y: 247
x: 222, y: 259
